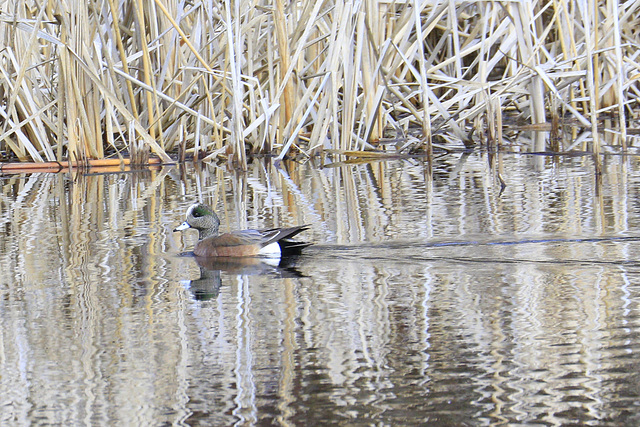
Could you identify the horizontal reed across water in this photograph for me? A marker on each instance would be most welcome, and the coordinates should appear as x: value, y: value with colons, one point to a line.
x: 82, y: 80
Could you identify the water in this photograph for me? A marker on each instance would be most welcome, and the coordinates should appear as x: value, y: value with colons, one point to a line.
x: 441, y: 301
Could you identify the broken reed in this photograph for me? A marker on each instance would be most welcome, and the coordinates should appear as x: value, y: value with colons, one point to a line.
x: 226, y: 78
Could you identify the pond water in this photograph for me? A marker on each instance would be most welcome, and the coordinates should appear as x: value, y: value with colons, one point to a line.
x: 427, y: 298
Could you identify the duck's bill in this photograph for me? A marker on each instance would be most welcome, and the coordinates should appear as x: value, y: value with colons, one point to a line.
x: 182, y: 226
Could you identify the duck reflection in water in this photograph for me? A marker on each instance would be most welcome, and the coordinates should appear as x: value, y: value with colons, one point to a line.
x: 246, y: 252
x: 208, y: 285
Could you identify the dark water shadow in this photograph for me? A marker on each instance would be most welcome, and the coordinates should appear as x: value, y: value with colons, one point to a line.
x: 412, y: 251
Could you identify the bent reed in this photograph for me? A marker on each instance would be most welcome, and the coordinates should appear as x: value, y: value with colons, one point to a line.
x: 224, y: 78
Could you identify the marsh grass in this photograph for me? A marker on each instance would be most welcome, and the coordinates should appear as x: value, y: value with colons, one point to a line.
x: 224, y: 78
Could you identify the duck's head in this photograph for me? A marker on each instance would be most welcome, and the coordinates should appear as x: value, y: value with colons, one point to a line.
x: 202, y: 218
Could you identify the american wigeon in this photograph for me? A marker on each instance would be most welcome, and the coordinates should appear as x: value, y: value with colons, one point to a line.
x: 273, y: 242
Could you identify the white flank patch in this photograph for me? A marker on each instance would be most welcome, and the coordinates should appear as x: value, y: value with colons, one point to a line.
x: 273, y: 261
x: 271, y: 250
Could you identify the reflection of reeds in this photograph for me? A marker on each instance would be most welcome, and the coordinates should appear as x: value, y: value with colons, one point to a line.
x: 82, y: 80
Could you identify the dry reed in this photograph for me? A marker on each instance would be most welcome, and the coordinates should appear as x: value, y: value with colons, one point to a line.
x: 225, y: 78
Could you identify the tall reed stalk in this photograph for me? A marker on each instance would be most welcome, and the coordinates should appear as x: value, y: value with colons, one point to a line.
x: 227, y: 78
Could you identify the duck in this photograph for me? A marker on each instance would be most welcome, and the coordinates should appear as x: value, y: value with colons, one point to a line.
x: 272, y: 242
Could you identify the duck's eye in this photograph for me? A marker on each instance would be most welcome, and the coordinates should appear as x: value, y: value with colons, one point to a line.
x: 199, y: 212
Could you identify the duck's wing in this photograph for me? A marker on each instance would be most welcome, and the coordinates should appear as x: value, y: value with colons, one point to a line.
x: 283, y: 233
x: 258, y: 237
x: 243, y: 238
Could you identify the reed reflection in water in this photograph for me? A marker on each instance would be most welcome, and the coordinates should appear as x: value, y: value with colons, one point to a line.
x: 433, y: 301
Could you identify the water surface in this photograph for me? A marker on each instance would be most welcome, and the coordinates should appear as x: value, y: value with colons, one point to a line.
x: 433, y: 300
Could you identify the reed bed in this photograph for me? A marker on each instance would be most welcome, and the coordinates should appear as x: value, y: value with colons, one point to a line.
x: 223, y: 79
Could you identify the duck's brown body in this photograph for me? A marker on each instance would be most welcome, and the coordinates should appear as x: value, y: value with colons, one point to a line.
x: 249, y: 243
